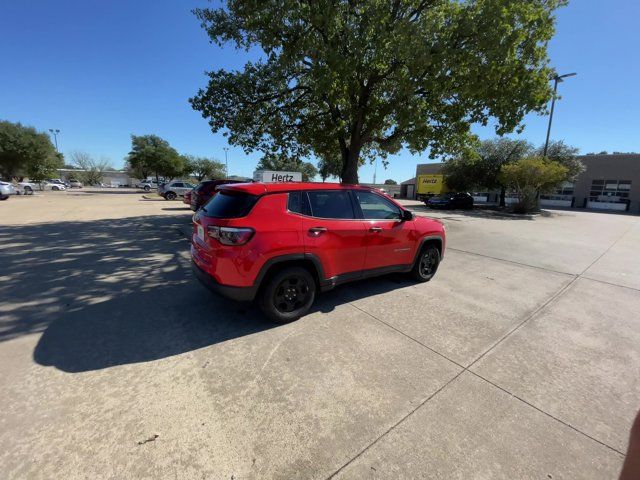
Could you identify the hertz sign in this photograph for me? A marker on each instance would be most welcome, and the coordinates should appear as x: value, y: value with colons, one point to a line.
x: 431, y: 184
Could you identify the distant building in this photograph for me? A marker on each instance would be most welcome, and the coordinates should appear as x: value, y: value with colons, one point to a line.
x: 609, y: 182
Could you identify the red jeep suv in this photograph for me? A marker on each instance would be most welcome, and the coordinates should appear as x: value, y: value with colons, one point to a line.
x: 282, y: 243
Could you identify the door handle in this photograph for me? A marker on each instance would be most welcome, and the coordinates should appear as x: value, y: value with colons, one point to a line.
x: 317, y: 231
x: 375, y: 229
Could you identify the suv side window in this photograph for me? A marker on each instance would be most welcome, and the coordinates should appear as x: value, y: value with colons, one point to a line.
x: 375, y: 207
x: 331, y: 204
x: 177, y: 184
x: 298, y: 203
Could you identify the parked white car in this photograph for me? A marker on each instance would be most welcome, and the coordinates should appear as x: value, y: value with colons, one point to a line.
x: 52, y: 186
x: 147, y: 185
x: 26, y: 188
x: 175, y: 189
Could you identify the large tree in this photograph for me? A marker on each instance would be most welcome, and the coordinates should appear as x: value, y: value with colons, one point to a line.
x: 25, y: 151
x: 346, y: 80
x: 151, y: 155
x: 203, y: 167
x: 288, y: 164
x: 92, y: 170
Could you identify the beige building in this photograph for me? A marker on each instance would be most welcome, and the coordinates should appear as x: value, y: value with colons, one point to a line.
x: 609, y: 182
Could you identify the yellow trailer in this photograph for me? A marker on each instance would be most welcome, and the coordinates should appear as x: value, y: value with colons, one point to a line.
x: 429, y: 185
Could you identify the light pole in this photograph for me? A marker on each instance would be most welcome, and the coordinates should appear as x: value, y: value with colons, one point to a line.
x: 55, y: 132
x: 375, y: 170
x: 226, y: 162
x: 556, y: 79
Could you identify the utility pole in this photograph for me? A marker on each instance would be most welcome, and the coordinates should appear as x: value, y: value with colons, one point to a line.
x: 375, y: 171
x: 226, y: 162
x: 55, y: 132
x: 556, y: 79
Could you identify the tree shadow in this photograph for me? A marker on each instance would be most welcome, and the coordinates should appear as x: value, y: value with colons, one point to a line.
x: 479, y: 211
x: 114, y: 292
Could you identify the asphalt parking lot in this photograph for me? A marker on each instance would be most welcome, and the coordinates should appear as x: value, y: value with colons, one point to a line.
x: 521, y: 359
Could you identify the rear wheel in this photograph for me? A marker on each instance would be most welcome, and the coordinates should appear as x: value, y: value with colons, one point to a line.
x: 4, y: 197
x: 288, y: 295
x: 55, y: 188
x: 170, y: 196
x: 426, y: 264
x: 147, y: 188
x: 28, y: 190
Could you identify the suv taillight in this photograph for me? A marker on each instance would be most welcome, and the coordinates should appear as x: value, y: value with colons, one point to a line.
x: 231, y: 235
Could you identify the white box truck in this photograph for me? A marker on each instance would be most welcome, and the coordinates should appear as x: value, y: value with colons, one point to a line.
x: 269, y: 176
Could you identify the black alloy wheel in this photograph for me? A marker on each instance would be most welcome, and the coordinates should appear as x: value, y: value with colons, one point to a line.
x: 288, y: 295
x: 427, y: 264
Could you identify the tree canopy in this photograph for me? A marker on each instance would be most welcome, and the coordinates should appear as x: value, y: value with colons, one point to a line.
x: 203, y: 167
x: 151, y: 155
x: 25, y: 151
x: 390, y: 181
x: 348, y: 80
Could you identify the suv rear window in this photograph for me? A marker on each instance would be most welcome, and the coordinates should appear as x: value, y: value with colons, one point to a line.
x: 229, y: 205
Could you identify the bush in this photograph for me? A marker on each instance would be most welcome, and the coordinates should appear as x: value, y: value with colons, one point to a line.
x: 529, y: 177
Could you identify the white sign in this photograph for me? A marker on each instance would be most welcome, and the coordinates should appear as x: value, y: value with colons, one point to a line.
x: 269, y: 176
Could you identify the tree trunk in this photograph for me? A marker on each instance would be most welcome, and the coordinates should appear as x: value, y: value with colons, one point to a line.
x: 351, y: 161
x: 503, y: 192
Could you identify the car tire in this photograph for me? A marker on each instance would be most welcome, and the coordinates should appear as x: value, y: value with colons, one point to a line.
x: 426, y: 264
x: 147, y: 188
x: 170, y: 196
x: 288, y: 294
x: 4, y: 197
x: 55, y: 189
x: 28, y: 191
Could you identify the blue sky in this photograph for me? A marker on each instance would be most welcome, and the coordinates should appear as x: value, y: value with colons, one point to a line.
x: 100, y: 71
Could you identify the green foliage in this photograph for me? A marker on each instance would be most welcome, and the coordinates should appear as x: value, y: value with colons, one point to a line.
x: 24, y: 151
x: 530, y: 176
x: 151, y: 154
x: 93, y: 173
x: 288, y: 164
x: 202, y: 168
x: 565, y: 155
x: 390, y: 181
x: 348, y: 80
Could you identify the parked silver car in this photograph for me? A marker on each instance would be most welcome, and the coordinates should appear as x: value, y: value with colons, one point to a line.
x: 6, y: 189
x: 75, y: 184
x: 174, y: 189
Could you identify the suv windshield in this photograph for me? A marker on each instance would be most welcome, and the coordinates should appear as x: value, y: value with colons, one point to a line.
x: 229, y: 205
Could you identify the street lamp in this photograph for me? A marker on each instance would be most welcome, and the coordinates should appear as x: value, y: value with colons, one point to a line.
x: 226, y: 162
x: 375, y: 170
x: 55, y: 132
x: 556, y: 79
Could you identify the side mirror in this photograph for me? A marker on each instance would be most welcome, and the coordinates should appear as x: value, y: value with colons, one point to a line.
x: 406, y: 215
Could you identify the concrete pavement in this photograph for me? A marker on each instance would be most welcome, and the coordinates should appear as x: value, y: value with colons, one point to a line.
x: 519, y: 360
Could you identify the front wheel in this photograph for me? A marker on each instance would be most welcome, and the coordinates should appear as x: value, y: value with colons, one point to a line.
x: 288, y: 295
x: 55, y: 189
x: 170, y: 196
x: 4, y: 197
x: 147, y: 188
x: 426, y: 264
x: 28, y: 191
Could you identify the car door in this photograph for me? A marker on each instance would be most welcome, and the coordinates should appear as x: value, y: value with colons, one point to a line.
x: 390, y: 240
x: 333, y: 234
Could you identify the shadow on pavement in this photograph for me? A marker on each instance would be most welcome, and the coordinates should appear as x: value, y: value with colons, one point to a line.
x: 480, y: 211
x: 114, y: 292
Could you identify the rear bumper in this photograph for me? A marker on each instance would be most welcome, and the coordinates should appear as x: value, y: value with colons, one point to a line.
x: 239, y: 294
